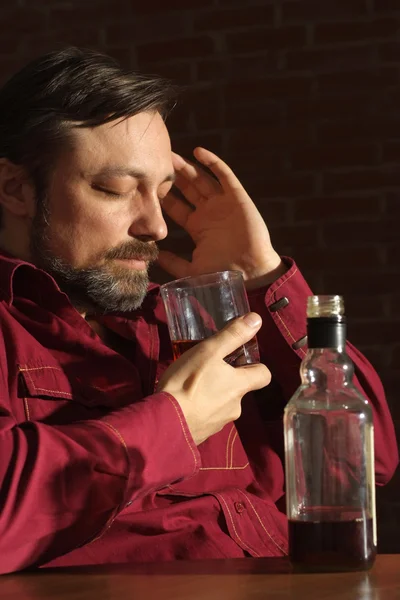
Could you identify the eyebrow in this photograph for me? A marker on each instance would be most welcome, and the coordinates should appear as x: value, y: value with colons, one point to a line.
x: 124, y: 171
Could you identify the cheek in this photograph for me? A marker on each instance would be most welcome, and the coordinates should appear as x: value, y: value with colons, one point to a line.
x: 80, y: 233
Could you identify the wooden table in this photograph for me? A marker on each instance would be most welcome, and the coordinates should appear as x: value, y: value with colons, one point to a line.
x: 241, y: 579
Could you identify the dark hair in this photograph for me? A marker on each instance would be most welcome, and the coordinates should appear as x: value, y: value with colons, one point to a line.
x: 65, y: 89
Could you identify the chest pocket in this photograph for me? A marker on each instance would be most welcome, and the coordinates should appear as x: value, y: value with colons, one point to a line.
x: 50, y: 396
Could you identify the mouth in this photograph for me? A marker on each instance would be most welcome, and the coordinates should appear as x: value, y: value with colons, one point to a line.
x: 133, y: 263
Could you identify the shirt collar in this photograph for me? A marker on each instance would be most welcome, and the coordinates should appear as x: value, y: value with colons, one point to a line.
x: 9, y: 265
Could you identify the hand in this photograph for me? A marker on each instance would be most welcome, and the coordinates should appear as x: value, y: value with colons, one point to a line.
x: 209, y: 390
x: 222, y: 220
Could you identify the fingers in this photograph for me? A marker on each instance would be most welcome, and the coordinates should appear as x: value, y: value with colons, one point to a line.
x: 221, y: 170
x: 193, y: 181
x: 175, y: 265
x: 177, y: 209
x: 234, y: 335
x: 254, y: 377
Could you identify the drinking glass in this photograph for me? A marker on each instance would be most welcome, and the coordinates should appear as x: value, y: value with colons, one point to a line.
x: 199, y: 306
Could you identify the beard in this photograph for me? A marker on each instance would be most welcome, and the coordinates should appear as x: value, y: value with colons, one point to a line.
x: 99, y: 289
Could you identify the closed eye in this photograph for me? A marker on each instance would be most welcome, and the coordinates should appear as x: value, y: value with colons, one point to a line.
x: 108, y: 192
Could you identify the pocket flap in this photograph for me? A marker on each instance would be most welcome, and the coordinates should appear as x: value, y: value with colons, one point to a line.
x: 45, y: 382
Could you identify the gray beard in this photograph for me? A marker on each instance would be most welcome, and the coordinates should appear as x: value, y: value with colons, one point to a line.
x: 95, y: 289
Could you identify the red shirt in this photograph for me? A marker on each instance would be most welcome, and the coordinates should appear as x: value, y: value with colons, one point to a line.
x: 98, y: 468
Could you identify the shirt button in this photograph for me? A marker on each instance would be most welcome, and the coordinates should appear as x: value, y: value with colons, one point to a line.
x: 239, y: 507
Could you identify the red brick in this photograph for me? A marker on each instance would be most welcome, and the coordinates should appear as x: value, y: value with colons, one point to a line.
x: 332, y: 105
x: 285, y: 186
x: 260, y: 115
x: 362, y: 306
x: 375, y: 128
x: 175, y: 49
x: 179, y: 72
x: 186, y: 144
x: 275, y: 212
x: 393, y: 256
x: 157, y: 6
x: 293, y: 235
x: 347, y: 207
x: 243, y: 141
x: 391, y: 151
x: 386, y: 6
x: 393, y: 204
x: 200, y: 106
x: 320, y: 157
x: 361, y: 180
x: 266, y: 39
x: 360, y: 233
x: 10, y: 44
x: 394, y: 303
x: 389, y: 52
x: 395, y: 362
x: 341, y: 260
x: 366, y: 282
x: 356, y: 80
x: 273, y: 87
x: 330, y: 59
x: 240, y: 68
x: 149, y: 28
x: 76, y: 14
x: 311, y: 10
x: 249, y: 170
x: 24, y: 20
x: 327, y: 33
x: 223, y: 19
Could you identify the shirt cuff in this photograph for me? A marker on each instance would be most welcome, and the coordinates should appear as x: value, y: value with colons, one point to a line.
x: 156, y: 443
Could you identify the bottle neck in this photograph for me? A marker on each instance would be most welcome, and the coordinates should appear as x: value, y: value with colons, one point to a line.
x: 327, y: 332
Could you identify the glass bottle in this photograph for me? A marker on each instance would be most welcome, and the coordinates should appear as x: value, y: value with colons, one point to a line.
x: 329, y: 453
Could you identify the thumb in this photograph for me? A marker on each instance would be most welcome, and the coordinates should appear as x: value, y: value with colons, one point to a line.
x: 235, y: 334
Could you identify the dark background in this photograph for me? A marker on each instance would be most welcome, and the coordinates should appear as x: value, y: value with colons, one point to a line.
x: 302, y: 99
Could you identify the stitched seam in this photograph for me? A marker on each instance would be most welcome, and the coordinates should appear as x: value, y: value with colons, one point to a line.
x: 288, y: 331
x: 283, y: 282
x: 262, y: 524
x: 68, y: 394
x: 118, y: 434
x: 38, y: 368
x: 27, y: 412
x: 232, y: 444
x: 224, y: 468
x: 227, y: 445
x: 234, y: 528
x: 152, y: 361
x: 184, y: 433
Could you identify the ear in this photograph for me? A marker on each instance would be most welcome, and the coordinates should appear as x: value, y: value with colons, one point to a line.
x: 17, y: 193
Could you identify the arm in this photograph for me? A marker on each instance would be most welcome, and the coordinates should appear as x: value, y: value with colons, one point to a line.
x: 230, y: 233
x: 285, y: 326
x: 62, y: 486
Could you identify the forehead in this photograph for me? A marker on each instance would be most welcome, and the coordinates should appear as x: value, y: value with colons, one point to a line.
x: 141, y: 142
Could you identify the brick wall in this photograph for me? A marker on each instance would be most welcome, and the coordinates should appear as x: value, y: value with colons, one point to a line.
x: 301, y: 97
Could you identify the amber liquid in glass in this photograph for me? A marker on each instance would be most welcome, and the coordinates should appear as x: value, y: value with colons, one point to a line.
x: 235, y: 358
x: 332, y: 545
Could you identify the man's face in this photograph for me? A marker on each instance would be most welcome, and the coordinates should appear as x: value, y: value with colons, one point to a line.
x: 97, y: 228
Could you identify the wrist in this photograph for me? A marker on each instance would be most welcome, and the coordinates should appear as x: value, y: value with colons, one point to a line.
x: 265, y: 277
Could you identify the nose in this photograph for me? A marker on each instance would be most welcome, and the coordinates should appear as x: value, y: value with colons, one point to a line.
x: 149, y: 225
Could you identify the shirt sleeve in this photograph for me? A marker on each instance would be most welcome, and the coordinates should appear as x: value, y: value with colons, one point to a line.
x: 62, y: 486
x: 283, y: 344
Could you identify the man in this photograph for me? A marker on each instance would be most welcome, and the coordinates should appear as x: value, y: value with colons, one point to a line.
x: 110, y: 452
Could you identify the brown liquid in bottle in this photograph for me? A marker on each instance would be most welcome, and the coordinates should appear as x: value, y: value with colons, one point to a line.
x: 332, y: 545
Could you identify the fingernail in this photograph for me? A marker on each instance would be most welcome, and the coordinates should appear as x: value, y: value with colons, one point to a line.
x: 252, y: 319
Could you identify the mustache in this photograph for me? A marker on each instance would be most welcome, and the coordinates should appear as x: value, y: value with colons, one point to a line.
x: 137, y: 250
